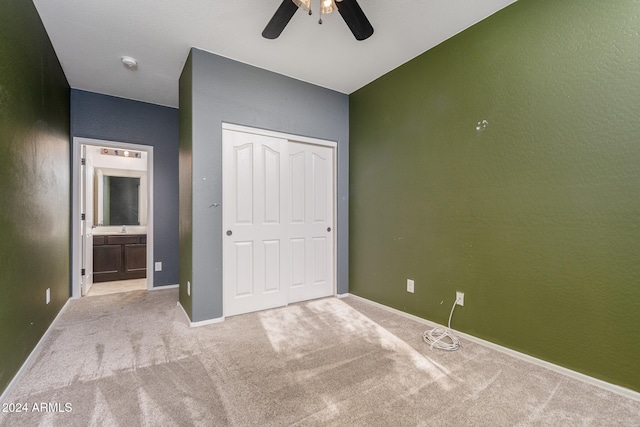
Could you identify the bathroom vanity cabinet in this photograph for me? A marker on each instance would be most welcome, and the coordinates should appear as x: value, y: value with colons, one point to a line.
x: 119, y: 257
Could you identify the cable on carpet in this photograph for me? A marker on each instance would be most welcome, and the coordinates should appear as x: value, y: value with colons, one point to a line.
x: 442, y: 338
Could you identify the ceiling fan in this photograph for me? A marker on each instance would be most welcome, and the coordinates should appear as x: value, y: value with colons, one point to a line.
x: 349, y: 10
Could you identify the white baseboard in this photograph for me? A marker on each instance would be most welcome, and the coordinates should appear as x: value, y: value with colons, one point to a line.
x: 163, y: 287
x: 202, y: 322
x: 33, y: 354
x: 623, y: 391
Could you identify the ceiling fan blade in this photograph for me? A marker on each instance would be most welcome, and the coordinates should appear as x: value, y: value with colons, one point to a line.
x: 355, y: 19
x: 280, y: 19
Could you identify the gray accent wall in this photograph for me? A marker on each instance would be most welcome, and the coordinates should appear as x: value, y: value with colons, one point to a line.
x: 110, y: 118
x: 226, y: 91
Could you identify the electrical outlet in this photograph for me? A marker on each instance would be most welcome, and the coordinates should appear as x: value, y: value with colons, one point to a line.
x: 188, y: 288
x: 460, y: 298
x: 410, y: 285
x: 158, y: 266
x: 47, y: 295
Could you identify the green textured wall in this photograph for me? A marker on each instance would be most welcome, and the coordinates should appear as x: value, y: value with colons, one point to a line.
x: 537, y: 217
x: 186, y: 187
x: 34, y: 184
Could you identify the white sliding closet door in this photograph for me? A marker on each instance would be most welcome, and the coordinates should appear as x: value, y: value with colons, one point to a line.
x: 311, y: 222
x: 254, y: 253
x: 278, y: 221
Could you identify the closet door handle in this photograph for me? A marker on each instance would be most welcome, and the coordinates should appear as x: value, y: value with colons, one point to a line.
x: 229, y: 232
x: 328, y: 228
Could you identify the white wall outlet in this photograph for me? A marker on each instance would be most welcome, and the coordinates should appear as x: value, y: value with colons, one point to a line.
x: 158, y: 266
x: 410, y: 285
x: 460, y: 298
x: 47, y: 295
x: 188, y: 288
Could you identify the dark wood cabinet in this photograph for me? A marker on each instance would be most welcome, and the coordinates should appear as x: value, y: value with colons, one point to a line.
x: 119, y: 257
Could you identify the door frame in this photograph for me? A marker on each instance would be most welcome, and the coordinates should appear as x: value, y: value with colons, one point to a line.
x: 303, y: 140
x: 76, y: 234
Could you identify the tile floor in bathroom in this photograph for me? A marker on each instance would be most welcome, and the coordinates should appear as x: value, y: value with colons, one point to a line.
x: 106, y: 288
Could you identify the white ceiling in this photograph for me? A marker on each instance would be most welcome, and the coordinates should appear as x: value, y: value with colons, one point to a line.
x: 90, y: 37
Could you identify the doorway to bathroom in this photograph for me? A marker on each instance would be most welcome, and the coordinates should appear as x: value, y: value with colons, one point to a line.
x: 112, y: 211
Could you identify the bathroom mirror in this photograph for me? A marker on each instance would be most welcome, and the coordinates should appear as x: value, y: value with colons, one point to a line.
x: 120, y: 197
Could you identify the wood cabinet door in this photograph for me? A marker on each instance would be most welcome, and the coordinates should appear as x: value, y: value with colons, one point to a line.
x: 107, y: 262
x: 135, y: 258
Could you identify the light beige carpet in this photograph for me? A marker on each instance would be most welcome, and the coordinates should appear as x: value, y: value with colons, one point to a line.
x: 131, y: 360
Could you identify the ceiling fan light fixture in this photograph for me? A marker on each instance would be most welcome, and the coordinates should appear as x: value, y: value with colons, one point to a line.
x: 327, y: 6
x: 303, y: 4
x: 350, y: 11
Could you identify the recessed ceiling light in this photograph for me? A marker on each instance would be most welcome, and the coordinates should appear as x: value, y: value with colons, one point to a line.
x: 129, y: 63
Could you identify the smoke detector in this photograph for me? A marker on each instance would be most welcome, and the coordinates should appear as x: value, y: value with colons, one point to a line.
x: 129, y: 63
